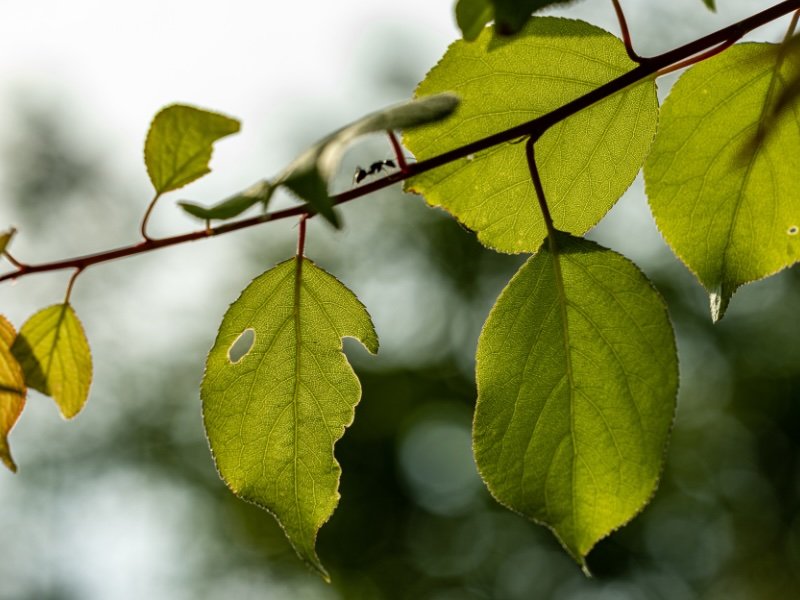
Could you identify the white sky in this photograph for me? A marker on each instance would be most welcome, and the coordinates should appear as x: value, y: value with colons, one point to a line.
x: 280, y: 67
x: 263, y: 62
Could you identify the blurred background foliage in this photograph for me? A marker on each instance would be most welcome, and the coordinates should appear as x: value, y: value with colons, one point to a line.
x: 124, y: 502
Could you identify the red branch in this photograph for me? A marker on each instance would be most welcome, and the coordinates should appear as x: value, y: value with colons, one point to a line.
x: 694, y: 51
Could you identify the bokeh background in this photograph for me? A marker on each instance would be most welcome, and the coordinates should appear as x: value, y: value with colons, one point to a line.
x: 124, y: 501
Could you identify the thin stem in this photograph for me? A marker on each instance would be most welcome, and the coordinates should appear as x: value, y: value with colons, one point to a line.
x: 398, y: 151
x: 71, y: 284
x: 301, y: 236
x: 534, y: 128
x: 14, y: 261
x: 146, y: 217
x: 537, y: 184
x: 792, y: 26
x: 626, y: 35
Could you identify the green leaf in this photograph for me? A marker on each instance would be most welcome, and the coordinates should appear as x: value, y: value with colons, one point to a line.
x: 308, y: 174
x: 586, y: 162
x: 726, y: 205
x: 54, y: 355
x: 710, y: 4
x: 787, y: 99
x: 472, y: 16
x: 12, y: 391
x: 275, y: 404
x: 512, y: 15
x: 5, y: 238
x: 233, y: 206
x: 179, y: 144
x: 577, y: 377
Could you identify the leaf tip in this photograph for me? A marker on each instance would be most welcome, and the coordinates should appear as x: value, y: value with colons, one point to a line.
x: 585, y: 569
x: 318, y: 568
x: 718, y: 302
x: 5, y: 456
x: 5, y: 238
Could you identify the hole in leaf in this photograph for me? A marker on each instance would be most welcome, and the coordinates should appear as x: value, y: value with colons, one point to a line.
x: 792, y: 230
x: 242, y: 345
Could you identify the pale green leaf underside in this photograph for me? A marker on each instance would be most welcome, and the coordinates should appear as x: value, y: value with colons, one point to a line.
x: 308, y: 174
x: 54, y: 355
x: 231, y: 207
x: 180, y: 142
x: 585, y: 162
x: 725, y: 198
x: 12, y: 390
x: 273, y: 416
x: 577, y: 378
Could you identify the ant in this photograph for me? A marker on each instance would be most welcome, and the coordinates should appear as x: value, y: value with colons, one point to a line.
x: 376, y: 167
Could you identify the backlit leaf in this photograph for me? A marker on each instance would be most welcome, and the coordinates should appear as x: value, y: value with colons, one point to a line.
x: 577, y: 377
x: 233, y: 206
x: 179, y: 144
x: 12, y: 390
x: 728, y: 206
x: 586, y: 162
x: 787, y: 99
x: 308, y: 174
x: 278, y: 393
x: 54, y: 355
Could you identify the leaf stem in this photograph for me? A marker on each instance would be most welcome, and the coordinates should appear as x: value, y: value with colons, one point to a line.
x: 398, y: 151
x: 792, y: 26
x: 14, y: 261
x: 537, y: 184
x: 71, y: 284
x: 626, y: 35
x: 653, y: 66
x: 301, y: 236
x: 146, y: 217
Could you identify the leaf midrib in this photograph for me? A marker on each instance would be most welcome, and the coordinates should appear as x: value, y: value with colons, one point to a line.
x: 298, y: 286
x: 562, y: 305
x: 52, y: 353
x: 750, y: 164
